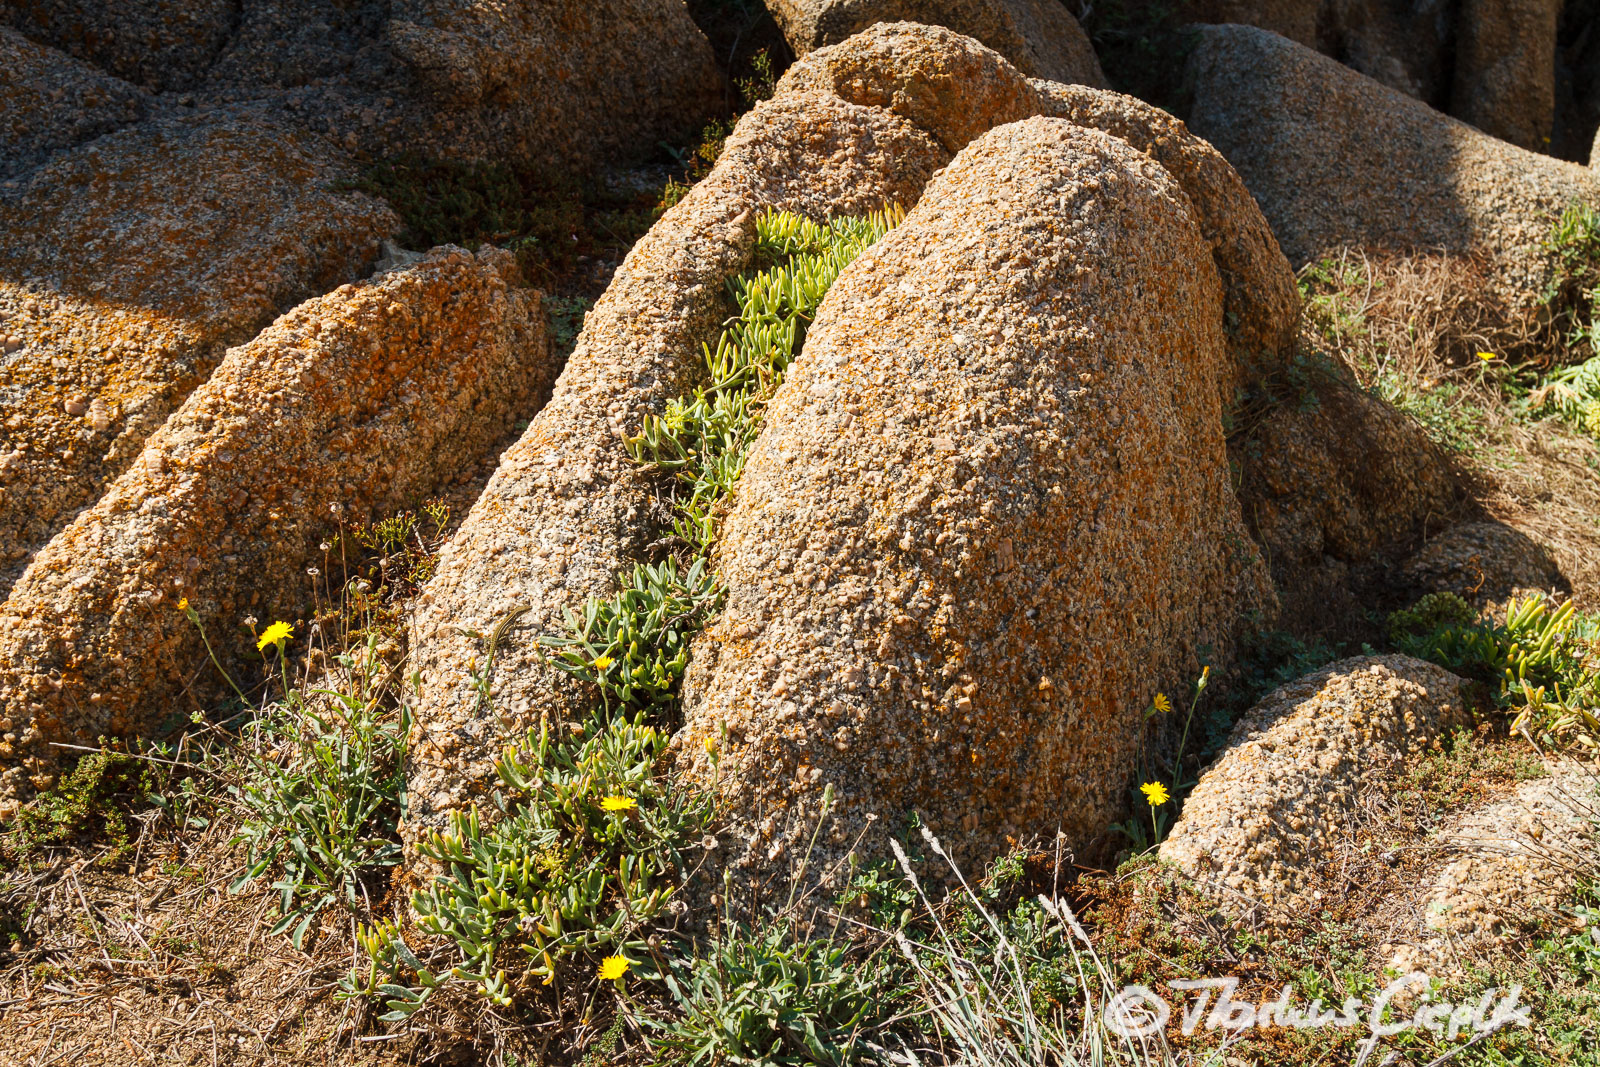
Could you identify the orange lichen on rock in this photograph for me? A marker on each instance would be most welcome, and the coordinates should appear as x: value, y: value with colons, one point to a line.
x: 949, y: 85
x: 568, y: 507
x: 853, y: 126
x: 989, y: 515
x: 127, y: 266
x: 350, y: 407
x: 1259, y: 828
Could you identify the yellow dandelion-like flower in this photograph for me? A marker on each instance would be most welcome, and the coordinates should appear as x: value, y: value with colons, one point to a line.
x: 1591, y: 417
x: 276, y: 634
x: 711, y: 745
x: 613, y: 967
x: 619, y: 803
x: 1487, y: 356
x: 601, y: 662
x: 183, y: 603
x: 1155, y: 793
x: 1162, y: 704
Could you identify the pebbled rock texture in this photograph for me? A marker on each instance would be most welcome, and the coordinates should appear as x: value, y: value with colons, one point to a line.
x: 1509, y: 867
x: 1483, y: 562
x: 948, y: 85
x: 1335, y: 485
x: 988, y: 516
x: 852, y: 126
x: 1258, y: 827
x: 1038, y: 37
x: 1260, y: 302
x: 582, y: 80
x: 349, y: 407
x: 155, y: 43
x: 50, y: 101
x: 1505, y: 69
x: 127, y: 265
x: 567, y: 507
x: 1335, y: 159
x: 538, y: 82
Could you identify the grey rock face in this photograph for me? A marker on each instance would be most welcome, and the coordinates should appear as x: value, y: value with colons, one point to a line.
x: 1336, y: 159
x: 1039, y: 37
x: 1505, y: 76
x: 564, y: 84
x: 49, y: 101
x: 153, y: 43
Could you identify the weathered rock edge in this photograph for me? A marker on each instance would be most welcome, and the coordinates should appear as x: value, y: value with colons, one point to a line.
x: 128, y: 265
x: 988, y: 518
x: 1263, y: 820
x: 1038, y: 37
x: 1336, y: 159
x: 350, y: 407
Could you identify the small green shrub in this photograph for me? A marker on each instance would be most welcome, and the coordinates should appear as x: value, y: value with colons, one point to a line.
x: 323, y: 793
x: 91, y: 800
x: 586, y: 852
x: 566, y: 315
x: 1542, y: 662
x: 634, y: 645
x: 758, y: 84
x: 704, y: 439
x: 1575, y: 239
x: 1326, y: 289
x: 775, y: 995
x: 1445, y: 415
x: 994, y: 977
x: 1578, y: 950
x: 1572, y: 392
x: 1436, y: 611
x: 451, y: 202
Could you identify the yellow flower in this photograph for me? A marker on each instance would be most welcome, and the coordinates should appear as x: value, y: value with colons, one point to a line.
x: 613, y: 967
x: 601, y: 662
x: 1487, y: 356
x: 711, y: 745
x: 619, y: 803
x: 183, y: 603
x: 1162, y: 704
x: 276, y: 634
x: 1155, y: 793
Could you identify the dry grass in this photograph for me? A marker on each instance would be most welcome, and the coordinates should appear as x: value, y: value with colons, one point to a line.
x: 155, y: 962
x: 1411, y: 327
